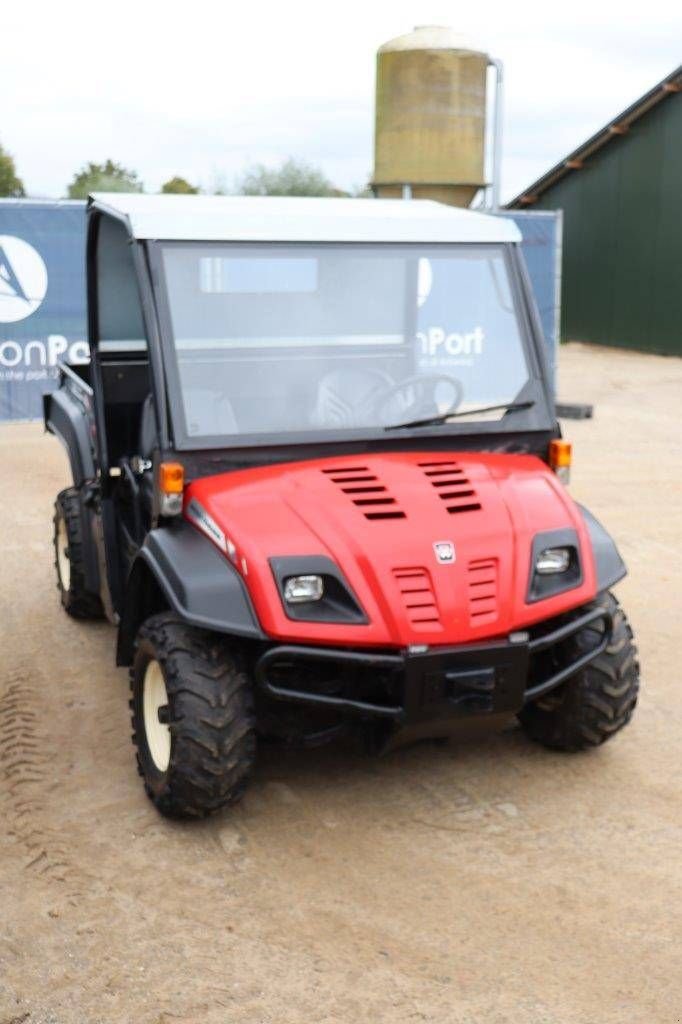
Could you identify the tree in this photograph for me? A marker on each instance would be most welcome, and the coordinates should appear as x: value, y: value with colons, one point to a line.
x: 292, y: 178
x: 10, y: 184
x: 107, y: 177
x: 180, y: 187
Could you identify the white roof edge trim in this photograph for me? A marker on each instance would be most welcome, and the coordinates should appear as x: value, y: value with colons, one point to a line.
x: 285, y: 219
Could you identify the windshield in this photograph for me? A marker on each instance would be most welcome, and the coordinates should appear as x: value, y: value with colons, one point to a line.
x: 274, y: 339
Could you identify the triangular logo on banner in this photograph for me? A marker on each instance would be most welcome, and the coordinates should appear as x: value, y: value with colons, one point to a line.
x: 9, y: 282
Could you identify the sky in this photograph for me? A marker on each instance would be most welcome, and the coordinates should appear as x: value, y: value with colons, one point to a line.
x: 205, y: 89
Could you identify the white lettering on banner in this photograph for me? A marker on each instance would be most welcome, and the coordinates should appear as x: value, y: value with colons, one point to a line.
x: 38, y: 348
x: 11, y: 353
x: 435, y: 341
x: 34, y: 353
x: 56, y: 346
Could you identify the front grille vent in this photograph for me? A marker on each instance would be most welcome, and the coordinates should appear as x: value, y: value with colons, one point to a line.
x: 419, y: 599
x: 366, y: 492
x: 482, y: 590
x: 454, y: 488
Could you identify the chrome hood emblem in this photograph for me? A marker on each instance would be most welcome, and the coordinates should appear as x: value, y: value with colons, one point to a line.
x: 445, y: 551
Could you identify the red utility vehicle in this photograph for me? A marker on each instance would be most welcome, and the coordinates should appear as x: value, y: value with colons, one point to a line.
x: 318, y: 484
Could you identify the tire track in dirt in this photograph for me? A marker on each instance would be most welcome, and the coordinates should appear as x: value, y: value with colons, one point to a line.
x: 24, y: 775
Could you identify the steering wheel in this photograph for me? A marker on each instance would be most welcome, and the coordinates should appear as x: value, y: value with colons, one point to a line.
x: 415, y: 397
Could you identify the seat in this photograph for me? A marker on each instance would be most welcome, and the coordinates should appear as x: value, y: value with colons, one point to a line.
x: 208, y: 414
x: 348, y: 398
x: 147, y: 441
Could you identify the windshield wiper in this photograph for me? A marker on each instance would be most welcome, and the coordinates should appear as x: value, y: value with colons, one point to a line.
x: 434, y: 421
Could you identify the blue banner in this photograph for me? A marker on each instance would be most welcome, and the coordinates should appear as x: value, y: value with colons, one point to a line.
x: 42, y: 299
x: 541, y: 246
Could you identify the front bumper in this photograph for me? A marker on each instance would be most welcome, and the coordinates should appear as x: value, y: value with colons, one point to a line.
x: 438, y: 683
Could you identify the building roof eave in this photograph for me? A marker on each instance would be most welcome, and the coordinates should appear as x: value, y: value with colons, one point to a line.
x: 620, y: 125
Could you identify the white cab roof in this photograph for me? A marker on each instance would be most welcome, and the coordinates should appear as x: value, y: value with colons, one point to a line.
x: 275, y: 219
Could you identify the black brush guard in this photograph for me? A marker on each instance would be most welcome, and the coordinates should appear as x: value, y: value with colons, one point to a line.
x: 438, y: 683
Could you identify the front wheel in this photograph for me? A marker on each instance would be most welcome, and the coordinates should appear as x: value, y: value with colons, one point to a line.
x: 192, y: 716
x: 595, y: 703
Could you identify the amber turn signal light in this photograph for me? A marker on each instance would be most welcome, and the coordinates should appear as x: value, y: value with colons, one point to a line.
x: 171, y: 477
x: 560, y: 456
x: 171, y: 485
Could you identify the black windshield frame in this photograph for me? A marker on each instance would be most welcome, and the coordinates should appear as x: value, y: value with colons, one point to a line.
x: 539, y: 417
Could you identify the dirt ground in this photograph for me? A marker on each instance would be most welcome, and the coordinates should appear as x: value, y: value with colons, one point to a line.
x: 475, y: 883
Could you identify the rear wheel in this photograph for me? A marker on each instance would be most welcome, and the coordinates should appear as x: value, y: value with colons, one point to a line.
x: 69, y: 558
x: 192, y: 718
x: 596, y: 702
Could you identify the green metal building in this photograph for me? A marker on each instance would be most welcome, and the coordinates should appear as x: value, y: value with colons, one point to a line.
x: 621, y: 196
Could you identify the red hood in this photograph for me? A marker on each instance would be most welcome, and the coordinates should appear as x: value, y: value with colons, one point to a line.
x: 378, y: 517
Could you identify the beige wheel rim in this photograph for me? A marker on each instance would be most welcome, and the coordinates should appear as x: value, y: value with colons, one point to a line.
x: 155, y: 696
x: 63, y: 560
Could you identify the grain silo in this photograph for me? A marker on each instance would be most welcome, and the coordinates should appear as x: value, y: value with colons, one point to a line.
x: 430, y: 135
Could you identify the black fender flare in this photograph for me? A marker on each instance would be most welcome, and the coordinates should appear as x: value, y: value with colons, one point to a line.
x: 194, y: 579
x: 609, y: 566
x: 65, y: 418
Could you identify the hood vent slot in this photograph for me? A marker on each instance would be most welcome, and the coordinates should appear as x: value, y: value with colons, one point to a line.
x: 419, y: 599
x: 366, y: 492
x: 452, y: 486
x: 482, y: 591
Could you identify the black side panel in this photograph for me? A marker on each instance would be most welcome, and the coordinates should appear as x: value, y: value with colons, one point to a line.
x: 608, y: 563
x: 199, y: 582
x: 65, y: 418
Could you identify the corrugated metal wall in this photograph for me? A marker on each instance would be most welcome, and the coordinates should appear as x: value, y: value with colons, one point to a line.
x: 622, y: 269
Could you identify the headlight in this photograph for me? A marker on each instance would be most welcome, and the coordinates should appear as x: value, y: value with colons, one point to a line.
x: 313, y: 589
x: 554, y: 564
x: 299, y: 589
x: 553, y: 560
